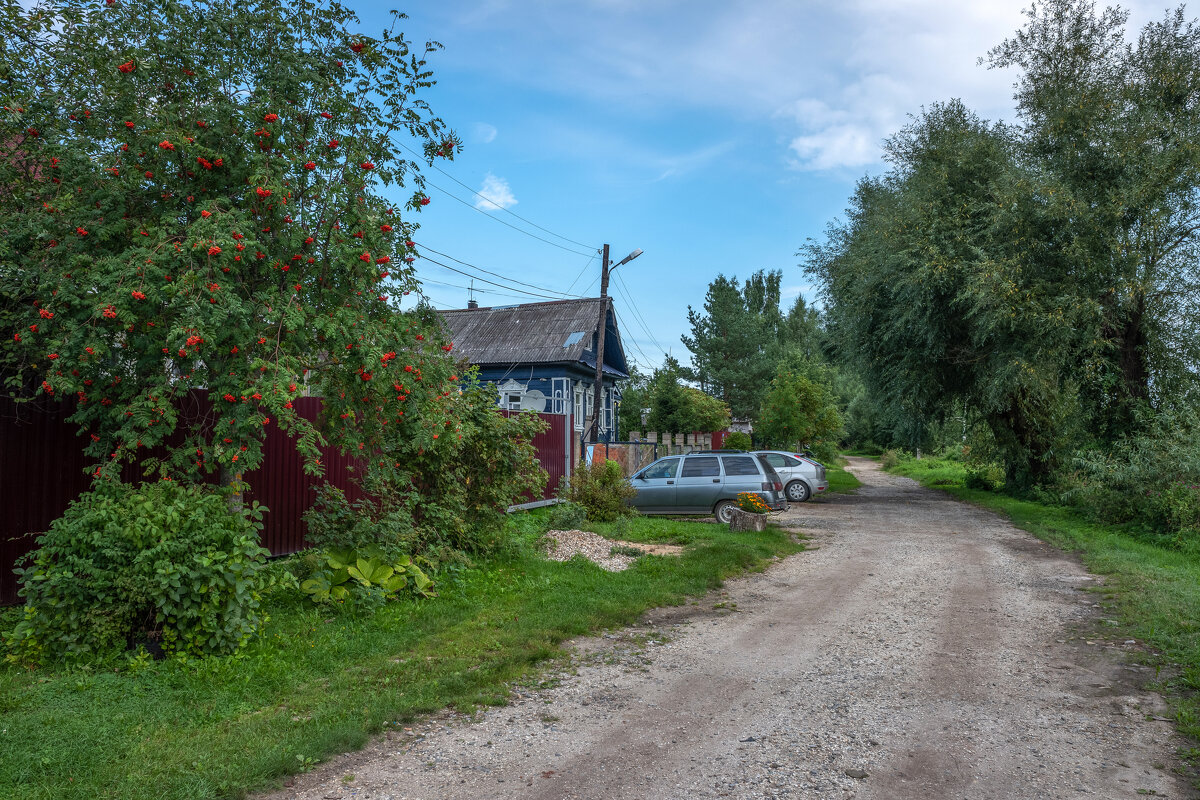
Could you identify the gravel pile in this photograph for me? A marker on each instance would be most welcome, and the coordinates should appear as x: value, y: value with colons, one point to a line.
x: 565, y: 545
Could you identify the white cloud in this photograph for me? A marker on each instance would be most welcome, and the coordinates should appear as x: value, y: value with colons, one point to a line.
x: 496, y: 194
x: 838, y: 78
x: 484, y: 133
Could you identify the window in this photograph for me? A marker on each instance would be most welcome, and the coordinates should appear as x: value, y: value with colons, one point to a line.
x: 701, y: 467
x: 513, y: 402
x: 740, y: 465
x: 666, y: 468
x: 578, y: 408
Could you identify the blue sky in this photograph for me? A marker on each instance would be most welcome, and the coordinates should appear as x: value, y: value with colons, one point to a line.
x: 715, y: 136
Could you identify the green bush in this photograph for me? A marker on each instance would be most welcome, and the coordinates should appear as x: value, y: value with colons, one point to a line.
x: 567, y: 516
x: 890, y: 458
x: 988, y: 477
x: 737, y: 441
x: 1150, y: 482
x: 162, y: 564
x: 602, y: 490
x: 366, y: 578
x: 336, y: 523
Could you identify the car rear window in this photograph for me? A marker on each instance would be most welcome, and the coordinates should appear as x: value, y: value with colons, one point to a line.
x: 740, y: 465
x: 772, y: 475
x: 701, y: 467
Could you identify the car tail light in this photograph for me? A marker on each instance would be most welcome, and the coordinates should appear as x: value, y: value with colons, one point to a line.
x: 767, y: 486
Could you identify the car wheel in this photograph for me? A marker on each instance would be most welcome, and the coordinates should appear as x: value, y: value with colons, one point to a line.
x: 798, y: 491
x: 724, y: 511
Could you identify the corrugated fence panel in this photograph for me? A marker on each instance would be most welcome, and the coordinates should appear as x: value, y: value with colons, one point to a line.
x: 282, y: 486
x: 553, y: 446
x: 43, y: 468
x: 41, y: 472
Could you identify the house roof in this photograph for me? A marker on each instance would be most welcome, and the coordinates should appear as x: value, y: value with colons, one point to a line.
x: 536, y: 333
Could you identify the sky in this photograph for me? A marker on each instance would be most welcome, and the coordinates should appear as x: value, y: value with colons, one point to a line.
x: 717, y: 136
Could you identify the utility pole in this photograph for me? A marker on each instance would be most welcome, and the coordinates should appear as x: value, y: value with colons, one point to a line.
x: 598, y: 401
x: 600, y: 326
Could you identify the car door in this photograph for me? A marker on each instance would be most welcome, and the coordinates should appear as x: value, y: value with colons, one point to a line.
x: 699, y: 484
x: 656, y: 486
x: 742, y: 474
x: 787, y: 467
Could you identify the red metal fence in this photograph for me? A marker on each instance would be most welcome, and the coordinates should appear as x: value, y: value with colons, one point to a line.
x: 43, y: 468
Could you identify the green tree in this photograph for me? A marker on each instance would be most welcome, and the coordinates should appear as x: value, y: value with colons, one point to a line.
x: 677, y: 408
x: 194, y: 199
x: 1114, y: 129
x: 739, y: 338
x: 797, y: 411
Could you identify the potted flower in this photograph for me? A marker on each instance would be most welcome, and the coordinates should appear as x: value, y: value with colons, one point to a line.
x: 750, y: 514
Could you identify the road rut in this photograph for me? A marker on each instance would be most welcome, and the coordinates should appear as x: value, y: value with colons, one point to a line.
x: 923, y: 648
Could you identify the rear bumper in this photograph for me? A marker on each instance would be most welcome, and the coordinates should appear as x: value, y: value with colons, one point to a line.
x: 821, y: 486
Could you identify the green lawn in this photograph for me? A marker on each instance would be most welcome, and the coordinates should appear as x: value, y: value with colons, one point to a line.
x: 1154, y: 591
x: 320, y: 681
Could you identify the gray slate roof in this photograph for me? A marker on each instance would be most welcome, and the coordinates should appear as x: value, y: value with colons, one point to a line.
x: 535, y: 333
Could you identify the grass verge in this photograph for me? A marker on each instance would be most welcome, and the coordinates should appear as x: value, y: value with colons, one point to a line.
x: 1155, y: 591
x: 839, y: 479
x: 322, y: 680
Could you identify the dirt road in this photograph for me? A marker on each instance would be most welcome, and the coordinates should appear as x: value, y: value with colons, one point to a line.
x: 923, y: 649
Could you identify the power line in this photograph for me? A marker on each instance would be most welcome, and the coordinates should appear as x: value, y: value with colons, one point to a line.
x: 489, y: 200
x: 496, y: 274
x: 632, y: 340
x: 493, y: 283
x: 628, y: 295
x: 580, y: 275
x: 469, y: 288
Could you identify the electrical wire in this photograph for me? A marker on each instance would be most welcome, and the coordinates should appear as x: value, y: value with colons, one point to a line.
x: 580, y: 275
x: 493, y: 283
x: 489, y: 200
x: 453, y: 196
x: 628, y: 295
x: 496, y: 274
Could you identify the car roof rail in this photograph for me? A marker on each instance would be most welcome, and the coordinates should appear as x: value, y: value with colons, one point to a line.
x: 717, y: 452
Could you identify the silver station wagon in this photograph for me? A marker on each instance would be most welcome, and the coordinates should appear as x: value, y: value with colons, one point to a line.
x: 705, y: 483
x: 803, y: 477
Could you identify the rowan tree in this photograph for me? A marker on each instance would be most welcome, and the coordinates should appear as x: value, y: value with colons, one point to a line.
x: 207, y: 195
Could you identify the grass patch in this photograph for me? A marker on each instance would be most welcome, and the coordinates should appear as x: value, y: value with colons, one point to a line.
x: 839, y: 479
x: 321, y: 681
x: 1155, y: 591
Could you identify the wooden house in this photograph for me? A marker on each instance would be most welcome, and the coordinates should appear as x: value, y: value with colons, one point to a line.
x: 542, y: 356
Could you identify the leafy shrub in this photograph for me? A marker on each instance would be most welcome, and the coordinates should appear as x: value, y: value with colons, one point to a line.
x: 336, y: 523
x: 889, y: 459
x: 1149, y: 481
x: 870, y: 449
x: 444, y: 476
x: 567, y: 516
x: 825, y: 451
x: 751, y: 502
x: 988, y: 477
x: 164, y: 563
x: 737, y: 441
x: 368, y: 576
x: 602, y: 490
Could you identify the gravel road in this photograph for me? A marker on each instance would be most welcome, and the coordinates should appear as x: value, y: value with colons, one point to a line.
x: 922, y: 648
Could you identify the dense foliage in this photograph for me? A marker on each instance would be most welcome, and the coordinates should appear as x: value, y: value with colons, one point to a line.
x: 165, y: 565
x: 1032, y: 287
x: 602, y: 490
x: 797, y: 411
x: 186, y: 208
x: 662, y: 402
x: 742, y: 335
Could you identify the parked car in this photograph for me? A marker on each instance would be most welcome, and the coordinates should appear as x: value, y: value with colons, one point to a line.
x: 803, y: 476
x: 706, y: 482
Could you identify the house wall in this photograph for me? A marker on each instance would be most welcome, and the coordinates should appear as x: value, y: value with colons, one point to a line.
x: 554, y: 389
